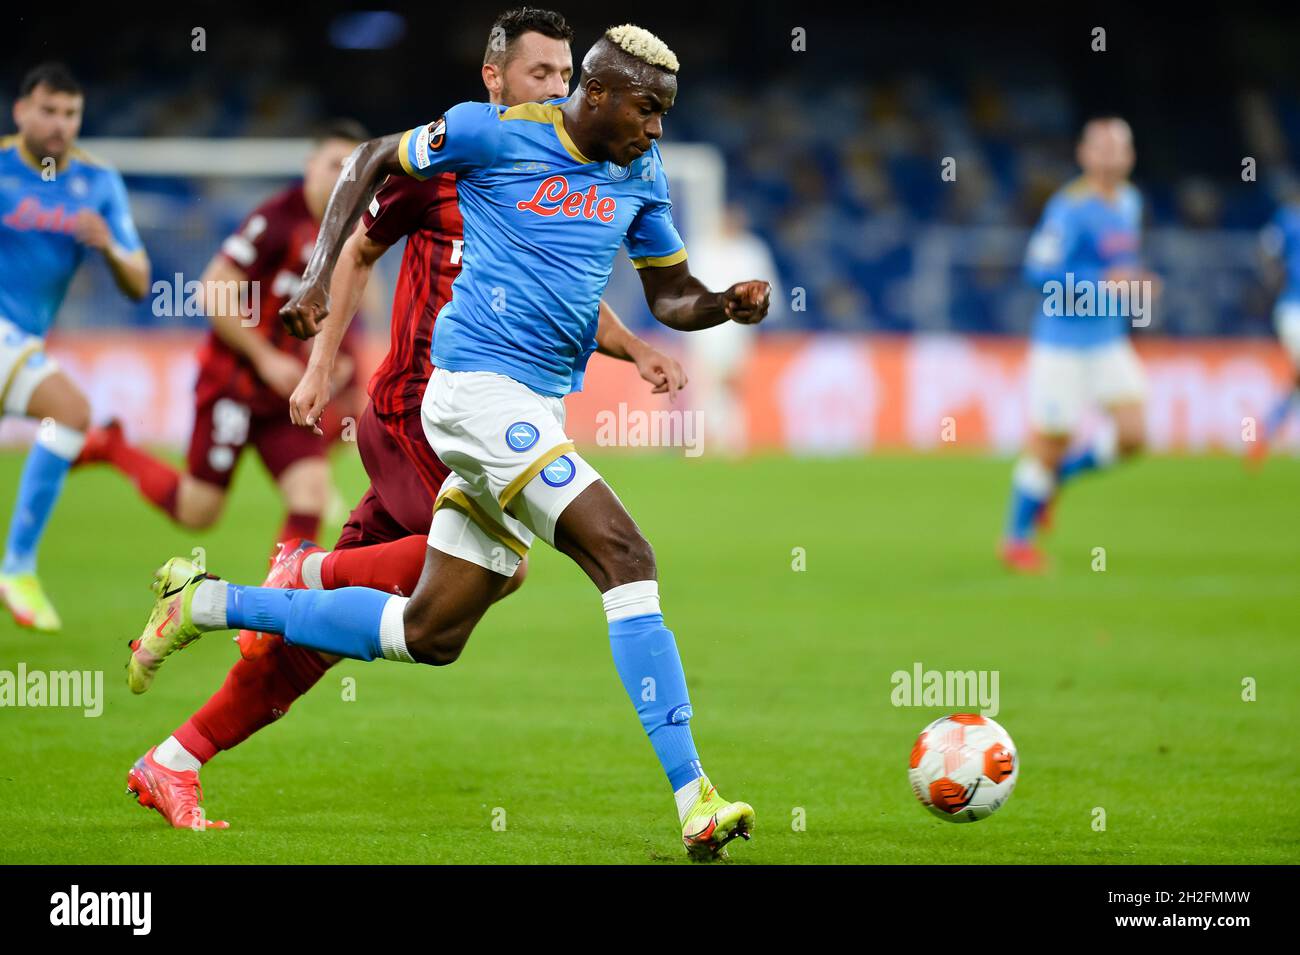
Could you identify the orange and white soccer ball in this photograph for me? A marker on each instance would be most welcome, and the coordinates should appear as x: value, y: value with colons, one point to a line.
x: 963, y: 767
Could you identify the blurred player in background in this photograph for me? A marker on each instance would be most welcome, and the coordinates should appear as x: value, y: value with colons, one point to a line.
x: 383, y: 544
x: 248, y: 366
x: 1280, y: 243
x: 717, y: 356
x: 55, y: 203
x: 1089, y: 234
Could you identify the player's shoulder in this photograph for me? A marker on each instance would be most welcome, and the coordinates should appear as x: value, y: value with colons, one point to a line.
x: 544, y: 113
x: 91, y: 161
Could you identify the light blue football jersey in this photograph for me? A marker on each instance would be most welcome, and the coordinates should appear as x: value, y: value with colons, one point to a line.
x: 1083, y: 234
x: 543, y: 225
x: 38, y: 252
x: 1282, y: 240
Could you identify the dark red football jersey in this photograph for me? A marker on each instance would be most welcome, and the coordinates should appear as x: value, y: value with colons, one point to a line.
x: 271, y: 247
x: 427, y: 213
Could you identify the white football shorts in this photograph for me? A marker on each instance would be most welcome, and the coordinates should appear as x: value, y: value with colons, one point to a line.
x: 23, y: 366
x: 513, y: 468
x: 1286, y: 318
x: 1064, y: 382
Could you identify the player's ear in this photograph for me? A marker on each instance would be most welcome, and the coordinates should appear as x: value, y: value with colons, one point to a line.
x: 491, y: 78
x: 594, y: 92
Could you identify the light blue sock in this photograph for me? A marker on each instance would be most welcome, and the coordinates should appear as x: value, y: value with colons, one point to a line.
x: 1032, y: 485
x: 345, y: 622
x: 1277, y: 417
x: 38, y: 491
x: 1081, y: 462
x: 645, y: 655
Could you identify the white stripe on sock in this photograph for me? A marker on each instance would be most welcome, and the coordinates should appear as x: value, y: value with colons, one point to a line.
x: 173, y: 755
x: 392, y: 631
x: 59, y: 439
x: 311, y: 571
x: 631, y: 600
x: 208, y: 608
x: 1033, y: 477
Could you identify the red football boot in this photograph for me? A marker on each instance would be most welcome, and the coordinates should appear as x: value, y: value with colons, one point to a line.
x: 285, y: 573
x: 1023, y: 557
x: 175, y: 795
x: 100, y: 444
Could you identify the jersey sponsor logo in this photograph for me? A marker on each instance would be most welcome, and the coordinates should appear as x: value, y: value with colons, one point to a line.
x: 559, y: 472
x: 554, y: 197
x: 31, y: 216
x: 521, y: 436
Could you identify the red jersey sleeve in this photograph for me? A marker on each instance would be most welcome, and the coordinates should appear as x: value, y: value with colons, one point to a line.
x: 399, y: 208
x: 259, y: 246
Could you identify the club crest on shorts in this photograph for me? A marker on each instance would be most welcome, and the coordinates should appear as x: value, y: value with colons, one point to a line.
x: 559, y: 472
x: 521, y: 436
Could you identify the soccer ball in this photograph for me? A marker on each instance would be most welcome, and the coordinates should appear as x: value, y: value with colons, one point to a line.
x: 963, y: 767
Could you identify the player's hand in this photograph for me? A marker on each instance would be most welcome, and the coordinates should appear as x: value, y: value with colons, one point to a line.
x: 306, y: 309
x: 309, y: 398
x: 747, y: 302
x: 280, y: 371
x: 662, y: 371
x: 90, y: 229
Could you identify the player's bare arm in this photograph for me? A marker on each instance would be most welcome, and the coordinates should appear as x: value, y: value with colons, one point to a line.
x: 366, y: 169
x: 273, y: 366
x: 130, y: 270
x: 356, y: 262
x: 681, y: 301
x: 616, y: 340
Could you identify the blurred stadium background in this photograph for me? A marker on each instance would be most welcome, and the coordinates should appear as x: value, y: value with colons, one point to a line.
x: 910, y: 304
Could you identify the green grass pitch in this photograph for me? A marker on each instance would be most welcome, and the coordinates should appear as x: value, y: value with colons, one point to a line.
x: 1122, y: 688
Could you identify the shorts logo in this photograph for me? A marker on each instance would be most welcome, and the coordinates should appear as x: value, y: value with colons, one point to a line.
x: 521, y: 436
x: 559, y: 472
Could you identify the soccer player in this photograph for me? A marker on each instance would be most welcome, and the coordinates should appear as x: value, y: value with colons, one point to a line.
x: 384, y: 542
x: 1086, y: 243
x: 548, y: 193
x: 1281, y: 244
x: 249, y: 364
x: 56, y: 201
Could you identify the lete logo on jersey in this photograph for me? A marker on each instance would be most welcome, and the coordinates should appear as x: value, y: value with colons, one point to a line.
x: 553, y: 197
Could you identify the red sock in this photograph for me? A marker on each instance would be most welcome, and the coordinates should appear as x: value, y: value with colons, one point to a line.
x: 393, y: 567
x: 256, y: 693
x: 306, y: 526
x: 157, y: 480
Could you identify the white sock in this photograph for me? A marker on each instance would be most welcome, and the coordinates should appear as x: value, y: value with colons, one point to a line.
x: 1105, y: 447
x: 311, y: 565
x: 1033, y: 478
x: 173, y: 755
x: 208, y: 609
x: 631, y: 600
x: 687, y: 795
x: 392, y: 631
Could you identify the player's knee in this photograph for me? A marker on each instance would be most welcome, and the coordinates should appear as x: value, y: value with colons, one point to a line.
x: 1131, y: 441
x: 626, y: 556
x: 74, y: 412
x: 516, y: 581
